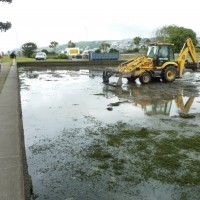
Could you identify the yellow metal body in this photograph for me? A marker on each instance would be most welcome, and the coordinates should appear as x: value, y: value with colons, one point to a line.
x: 140, y: 64
x: 188, y: 48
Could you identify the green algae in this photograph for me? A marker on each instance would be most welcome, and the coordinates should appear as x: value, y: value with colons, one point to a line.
x: 104, y: 166
x: 149, y: 155
x: 97, y: 152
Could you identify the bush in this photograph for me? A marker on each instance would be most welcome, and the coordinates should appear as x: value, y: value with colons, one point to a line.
x: 52, y: 53
x: 113, y: 50
x: 62, y: 56
x: 98, y: 51
x: 135, y: 50
x: 143, y: 51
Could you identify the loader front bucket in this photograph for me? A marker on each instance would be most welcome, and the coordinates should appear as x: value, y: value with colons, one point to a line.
x: 108, y: 73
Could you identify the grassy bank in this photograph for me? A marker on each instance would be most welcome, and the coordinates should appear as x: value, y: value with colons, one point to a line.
x: 24, y: 59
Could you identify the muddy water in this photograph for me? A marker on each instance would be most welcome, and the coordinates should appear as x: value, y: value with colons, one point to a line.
x: 87, y: 140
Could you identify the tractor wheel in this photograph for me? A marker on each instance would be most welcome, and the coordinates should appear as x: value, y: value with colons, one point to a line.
x: 145, y: 78
x: 169, y: 74
x: 131, y: 79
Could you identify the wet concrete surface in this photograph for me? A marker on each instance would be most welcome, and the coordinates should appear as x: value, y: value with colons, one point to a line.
x: 88, y: 140
x: 14, y: 179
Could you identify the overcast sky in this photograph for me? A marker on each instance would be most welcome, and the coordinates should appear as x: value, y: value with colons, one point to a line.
x: 43, y: 21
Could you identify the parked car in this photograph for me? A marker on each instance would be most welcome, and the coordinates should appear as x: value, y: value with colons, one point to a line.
x: 40, y: 56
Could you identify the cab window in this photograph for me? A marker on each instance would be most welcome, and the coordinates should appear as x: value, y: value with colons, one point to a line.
x: 152, y: 51
x: 163, y: 53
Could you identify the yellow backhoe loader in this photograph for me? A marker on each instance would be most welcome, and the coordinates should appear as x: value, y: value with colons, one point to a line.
x: 159, y: 63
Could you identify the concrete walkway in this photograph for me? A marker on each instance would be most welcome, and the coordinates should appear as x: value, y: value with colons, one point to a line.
x: 4, y: 70
x: 12, y: 161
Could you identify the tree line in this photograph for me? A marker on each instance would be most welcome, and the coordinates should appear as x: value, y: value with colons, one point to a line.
x: 167, y: 34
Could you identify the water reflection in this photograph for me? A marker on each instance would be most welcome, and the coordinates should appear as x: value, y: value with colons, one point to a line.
x: 153, y: 100
x: 51, y: 74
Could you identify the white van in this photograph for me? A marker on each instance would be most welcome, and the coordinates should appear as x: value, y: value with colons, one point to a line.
x: 40, y: 56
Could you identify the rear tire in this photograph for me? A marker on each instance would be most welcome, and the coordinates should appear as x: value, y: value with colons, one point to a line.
x: 169, y: 74
x: 145, y: 78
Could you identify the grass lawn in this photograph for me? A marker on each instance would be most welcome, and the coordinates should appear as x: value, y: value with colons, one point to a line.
x: 24, y: 59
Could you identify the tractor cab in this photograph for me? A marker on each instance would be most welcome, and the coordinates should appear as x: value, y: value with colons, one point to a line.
x: 161, y: 53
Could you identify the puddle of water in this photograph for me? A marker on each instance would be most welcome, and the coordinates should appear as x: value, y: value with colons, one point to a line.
x: 79, y: 141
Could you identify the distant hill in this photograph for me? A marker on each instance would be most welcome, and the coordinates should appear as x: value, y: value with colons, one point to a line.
x: 118, y: 44
x: 92, y: 44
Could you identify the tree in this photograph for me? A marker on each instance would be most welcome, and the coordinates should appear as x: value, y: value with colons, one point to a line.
x: 105, y: 46
x: 176, y: 35
x: 147, y: 41
x: 53, y: 45
x: 28, y: 49
x: 4, y: 26
x: 97, y: 51
x: 136, y: 41
x: 112, y: 50
x: 71, y: 44
x: 45, y: 51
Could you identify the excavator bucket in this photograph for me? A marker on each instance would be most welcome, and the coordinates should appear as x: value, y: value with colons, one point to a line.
x: 116, y: 73
x: 108, y: 73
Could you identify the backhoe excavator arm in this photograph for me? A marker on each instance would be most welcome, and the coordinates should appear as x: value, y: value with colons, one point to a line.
x: 188, y: 48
